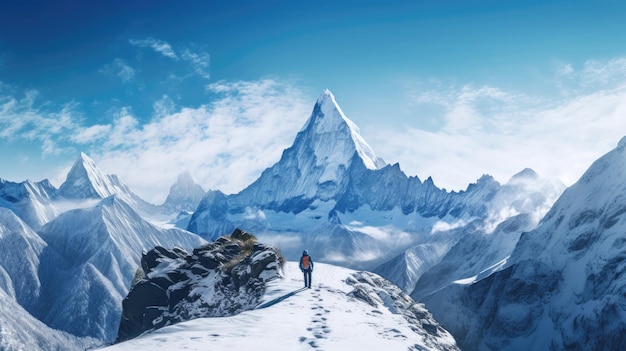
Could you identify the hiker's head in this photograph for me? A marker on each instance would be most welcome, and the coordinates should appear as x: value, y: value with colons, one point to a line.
x: 305, y: 253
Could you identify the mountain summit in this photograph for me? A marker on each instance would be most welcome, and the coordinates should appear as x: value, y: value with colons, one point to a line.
x: 86, y: 181
x: 334, y: 137
x: 317, y: 165
x: 185, y: 194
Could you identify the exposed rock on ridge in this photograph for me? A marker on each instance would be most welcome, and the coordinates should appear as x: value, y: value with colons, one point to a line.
x: 222, y: 278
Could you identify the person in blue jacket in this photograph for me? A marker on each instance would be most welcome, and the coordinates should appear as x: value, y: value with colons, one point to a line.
x: 306, y: 266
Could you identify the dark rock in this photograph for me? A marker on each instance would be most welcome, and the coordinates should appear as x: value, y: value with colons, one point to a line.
x: 232, y: 270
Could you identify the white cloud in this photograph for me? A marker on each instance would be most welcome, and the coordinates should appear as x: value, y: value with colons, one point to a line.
x: 225, y: 144
x: 160, y: 46
x: 489, y: 130
x: 126, y: 73
x: 90, y: 134
x: 596, y: 72
x: 22, y: 119
x: 120, y: 69
x: 565, y: 69
x: 199, y: 62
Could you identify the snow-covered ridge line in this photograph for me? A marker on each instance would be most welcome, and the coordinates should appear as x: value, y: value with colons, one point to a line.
x: 345, y: 310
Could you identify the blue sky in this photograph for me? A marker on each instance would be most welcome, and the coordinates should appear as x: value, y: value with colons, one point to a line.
x: 449, y: 89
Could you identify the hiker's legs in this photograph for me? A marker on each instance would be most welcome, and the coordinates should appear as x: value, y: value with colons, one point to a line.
x: 307, y: 278
x: 305, y: 281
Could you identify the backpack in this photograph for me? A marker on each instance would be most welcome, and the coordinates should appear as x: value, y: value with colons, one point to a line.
x: 305, y: 262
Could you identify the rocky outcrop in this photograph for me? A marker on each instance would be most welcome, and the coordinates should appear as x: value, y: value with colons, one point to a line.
x: 379, y: 292
x: 222, y: 278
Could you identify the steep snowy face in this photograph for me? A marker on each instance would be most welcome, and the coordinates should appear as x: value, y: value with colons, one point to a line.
x: 185, y: 194
x: 328, y: 128
x: 563, y: 287
x: 20, y: 248
x: 317, y: 163
x: 22, y: 331
x: 33, y: 202
x: 86, y: 181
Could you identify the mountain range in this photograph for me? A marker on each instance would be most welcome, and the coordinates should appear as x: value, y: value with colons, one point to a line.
x: 77, y: 266
x: 563, y: 286
x: 519, y: 265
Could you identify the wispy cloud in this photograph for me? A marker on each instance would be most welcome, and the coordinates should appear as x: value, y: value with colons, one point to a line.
x: 488, y: 129
x: 125, y: 72
x: 22, y: 119
x: 198, y: 59
x: 226, y: 144
x: 91, y: 134
x: 199, y: 62
x: 120, y: 69
x: 160, y: 46
x: 591, y: 75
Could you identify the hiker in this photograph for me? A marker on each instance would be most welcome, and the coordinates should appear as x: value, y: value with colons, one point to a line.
x: 306, y: 266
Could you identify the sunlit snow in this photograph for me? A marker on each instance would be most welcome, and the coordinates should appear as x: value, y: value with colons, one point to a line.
x: 293, y: 318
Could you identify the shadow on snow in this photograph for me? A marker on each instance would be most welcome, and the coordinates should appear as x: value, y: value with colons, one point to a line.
x: 279, y: 299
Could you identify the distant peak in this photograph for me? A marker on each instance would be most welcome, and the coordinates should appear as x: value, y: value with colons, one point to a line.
x: 186, y: 177
x: 526, y: 173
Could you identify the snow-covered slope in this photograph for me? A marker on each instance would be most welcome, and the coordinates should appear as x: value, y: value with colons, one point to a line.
x: 33, y: 202
x: 345, y: 310
x: 563, y: 286
x: 90, y: 261
x: 20, y: 288
x: 21, y: 331
x: 20, y: 248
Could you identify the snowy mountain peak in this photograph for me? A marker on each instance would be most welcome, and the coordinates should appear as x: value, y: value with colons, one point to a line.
x: 185, y: 194
x: 333, y: 133
x: 86, y: 180
x: 526, y: 173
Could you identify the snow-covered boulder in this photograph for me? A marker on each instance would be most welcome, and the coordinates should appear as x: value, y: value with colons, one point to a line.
x: 218, y: 279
